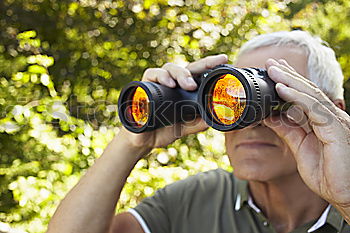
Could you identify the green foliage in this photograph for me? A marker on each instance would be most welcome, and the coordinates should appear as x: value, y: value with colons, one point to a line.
x: 63, y: 63
x: 328, y: 20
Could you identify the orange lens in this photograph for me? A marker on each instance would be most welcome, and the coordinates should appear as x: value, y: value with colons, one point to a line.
x: 140, y: 107
x: 228, y: 100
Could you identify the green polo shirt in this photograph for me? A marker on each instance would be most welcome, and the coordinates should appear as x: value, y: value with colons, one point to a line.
x: 217, y: 202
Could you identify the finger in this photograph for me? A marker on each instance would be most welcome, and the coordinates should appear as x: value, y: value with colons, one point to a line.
x: 281, y: 74
x: 297, y: 115
x: 182, y: 75
x: 288, y: 69
x: 158, y: 75
x: 206, y: 63
x: 184, y: 129
x: 304, y: 147
x: 272, y: 62
x: 324, y: 123
x: 301, y: 84
x: 289, y: 131
x: 285, y: 63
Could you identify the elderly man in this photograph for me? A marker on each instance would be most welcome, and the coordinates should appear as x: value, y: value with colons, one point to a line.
x: 291, y: 171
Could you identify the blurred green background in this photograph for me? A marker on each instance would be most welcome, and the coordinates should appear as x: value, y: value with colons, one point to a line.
x: 63, y: 63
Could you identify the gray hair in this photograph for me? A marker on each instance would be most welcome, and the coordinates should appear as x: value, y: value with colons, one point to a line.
x: 323, y: 68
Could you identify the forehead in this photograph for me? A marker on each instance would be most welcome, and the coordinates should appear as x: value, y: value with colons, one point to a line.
x: 295, y: 57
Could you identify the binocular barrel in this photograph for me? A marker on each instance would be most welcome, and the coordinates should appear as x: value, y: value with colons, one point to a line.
x: 145, y: 106
x: 228, y: 98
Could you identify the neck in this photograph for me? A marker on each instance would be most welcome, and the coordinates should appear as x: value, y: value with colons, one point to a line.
x: 287, y: 193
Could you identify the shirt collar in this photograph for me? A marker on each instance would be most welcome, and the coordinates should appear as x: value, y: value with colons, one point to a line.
x: 321, y: 221
x: 330, y: 215
x: 242, y: 193
x: 335, y: 219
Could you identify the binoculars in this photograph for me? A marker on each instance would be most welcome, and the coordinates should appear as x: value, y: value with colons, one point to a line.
x: 228, y: 98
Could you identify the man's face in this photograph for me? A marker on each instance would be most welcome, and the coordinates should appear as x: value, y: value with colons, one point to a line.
x: 256, y: 152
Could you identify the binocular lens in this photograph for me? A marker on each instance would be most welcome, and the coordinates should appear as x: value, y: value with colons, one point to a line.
x: 228, y: 99
x: 140, y: 107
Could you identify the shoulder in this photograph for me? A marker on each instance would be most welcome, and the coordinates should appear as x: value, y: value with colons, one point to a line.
x: 204, y: 185
x: 204, y: 193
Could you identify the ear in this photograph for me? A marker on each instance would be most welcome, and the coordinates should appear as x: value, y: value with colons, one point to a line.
x: 340, y: 103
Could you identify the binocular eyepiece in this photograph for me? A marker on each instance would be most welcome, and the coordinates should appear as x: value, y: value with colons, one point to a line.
x: 228, y: 98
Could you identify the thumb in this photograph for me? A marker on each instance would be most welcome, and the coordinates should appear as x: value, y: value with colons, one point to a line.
x: 196, y: 126
x: 305, y: 147
x: 292, y: 133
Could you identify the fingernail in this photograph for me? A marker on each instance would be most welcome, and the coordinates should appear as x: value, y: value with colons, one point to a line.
x: 191, y: 82
x: 272, y: 61
x: 281, y: 86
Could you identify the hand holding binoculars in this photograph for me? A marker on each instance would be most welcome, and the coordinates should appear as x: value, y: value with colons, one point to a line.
x: 228, y: 98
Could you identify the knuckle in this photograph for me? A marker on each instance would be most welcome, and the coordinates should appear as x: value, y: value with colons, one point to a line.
x: 209, y: 61
x: 151, y: 73
x: 167, y: 65
x: 311, y: 83
x: 187, y: 73
x: 146, y: 73
x: 190, y: 65
x: 160, y: 70
x: 318, y: 93
x: 176, y: 70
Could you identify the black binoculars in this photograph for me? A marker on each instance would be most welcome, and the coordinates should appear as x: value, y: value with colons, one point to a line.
x: 228, y: 98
